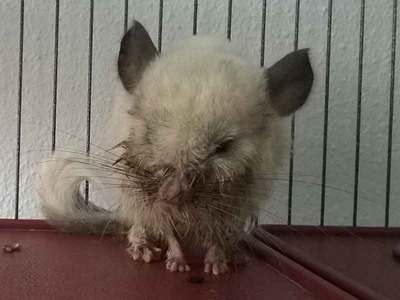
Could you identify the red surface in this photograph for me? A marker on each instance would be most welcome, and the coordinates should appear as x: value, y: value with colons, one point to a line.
x: 292, y: 262
x: 53, y: 265
x: 359, y: 260
x: 323, y: 289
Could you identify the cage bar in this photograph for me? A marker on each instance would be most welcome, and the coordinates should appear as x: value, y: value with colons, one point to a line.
x: 391, y: 98
x: 90, y: 76
x: 126, y: 11
x: 293, y: 124
x: 89, y: 91
x: 262, y: 53
x: 19, y: 109
x: 326, y: 111
x: 160, y: 24
x: 263, y: 25
x: 55, y: 74
x: 359, y: 98
x: 229, y: 26
x: 195, y: 8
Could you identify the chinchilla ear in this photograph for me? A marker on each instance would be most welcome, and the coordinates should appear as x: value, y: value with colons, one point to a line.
x: 289, y: 82
x: 136, y: 52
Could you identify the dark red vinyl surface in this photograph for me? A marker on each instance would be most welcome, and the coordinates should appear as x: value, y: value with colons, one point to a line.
x: 53, y: 265
x: 292, y: 263
x: 361, y: 256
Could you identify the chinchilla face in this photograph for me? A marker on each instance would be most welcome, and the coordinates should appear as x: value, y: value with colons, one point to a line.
x: 200, y: 113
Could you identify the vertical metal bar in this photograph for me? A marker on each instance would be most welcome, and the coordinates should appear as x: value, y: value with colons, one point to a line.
x: 126, y: 10
x: 195, y: 8
x: 89, y: 92
x: 263, y: 24
x: 262, y: 54
x: 326, y: 114
x: 293, y: 124
x: 359, y: 98
x: 55, y: 75
x: 160, y: 24
x: 391, y: 98
x: 296, y: 28
x: 229, y: 27
x: 19, y: 108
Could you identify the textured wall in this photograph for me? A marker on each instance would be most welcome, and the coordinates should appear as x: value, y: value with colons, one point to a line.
x: 108, y: 18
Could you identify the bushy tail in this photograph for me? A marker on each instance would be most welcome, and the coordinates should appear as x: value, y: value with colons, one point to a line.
x: 59, y: 188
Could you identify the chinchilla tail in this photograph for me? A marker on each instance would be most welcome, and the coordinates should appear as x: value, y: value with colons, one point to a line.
x: 58, y: 186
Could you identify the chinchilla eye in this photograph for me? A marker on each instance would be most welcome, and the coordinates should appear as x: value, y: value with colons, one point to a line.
x: 223, y: 147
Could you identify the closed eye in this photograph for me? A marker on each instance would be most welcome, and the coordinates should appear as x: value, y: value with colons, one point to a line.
x: 223, y: 147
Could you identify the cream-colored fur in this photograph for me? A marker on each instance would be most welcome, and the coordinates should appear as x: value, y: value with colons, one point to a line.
x: 189, y: 99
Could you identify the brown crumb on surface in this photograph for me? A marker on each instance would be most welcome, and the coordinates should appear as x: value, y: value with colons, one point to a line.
x: 195, y: 279
x: 11, y: 248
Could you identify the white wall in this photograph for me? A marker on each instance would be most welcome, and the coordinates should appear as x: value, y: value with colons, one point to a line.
x: 37, y: 91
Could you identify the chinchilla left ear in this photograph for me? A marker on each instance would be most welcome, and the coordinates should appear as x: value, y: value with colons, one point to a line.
x: 136, y: 52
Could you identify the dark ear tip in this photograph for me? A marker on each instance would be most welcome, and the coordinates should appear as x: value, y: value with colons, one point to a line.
x: 136, y: 24
x: 304, y: 53
x: 133, y: 29
x: 304, y: 50
x: 308, y: 71
x: 305, y: 56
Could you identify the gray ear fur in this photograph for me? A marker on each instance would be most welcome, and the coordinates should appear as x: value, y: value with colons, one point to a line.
x: 289, y: 82
x: 136, y: 52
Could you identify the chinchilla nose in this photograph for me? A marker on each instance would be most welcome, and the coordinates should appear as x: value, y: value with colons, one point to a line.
x: 177, y: 187
x: 187, y: 179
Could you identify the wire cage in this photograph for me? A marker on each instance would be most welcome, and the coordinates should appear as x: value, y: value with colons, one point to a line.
x: 58, y: 56
x: 58, y: 78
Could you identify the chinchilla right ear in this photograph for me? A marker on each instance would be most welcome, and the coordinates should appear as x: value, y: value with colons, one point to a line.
x: 289, y: 82
x: 136, y: 52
